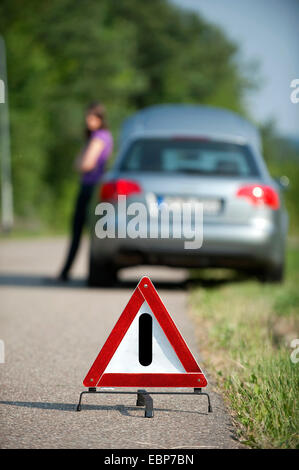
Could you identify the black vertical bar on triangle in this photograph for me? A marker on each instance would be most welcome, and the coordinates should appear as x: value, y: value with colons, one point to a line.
x: 145, y: 346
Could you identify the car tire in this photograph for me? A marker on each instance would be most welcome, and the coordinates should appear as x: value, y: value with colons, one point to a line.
x: 101, y: 274
x: 272, y: 274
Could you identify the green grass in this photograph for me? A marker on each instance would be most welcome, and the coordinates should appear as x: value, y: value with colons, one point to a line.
x: 244, y: 330
x: 264, y: 398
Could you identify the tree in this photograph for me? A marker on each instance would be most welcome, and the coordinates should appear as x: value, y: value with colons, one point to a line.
x: 63, y: 54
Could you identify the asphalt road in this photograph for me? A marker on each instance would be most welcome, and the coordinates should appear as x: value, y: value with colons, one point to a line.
x: 52, y: 334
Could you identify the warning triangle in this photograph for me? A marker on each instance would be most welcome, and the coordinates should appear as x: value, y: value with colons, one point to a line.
x: 145, y: 348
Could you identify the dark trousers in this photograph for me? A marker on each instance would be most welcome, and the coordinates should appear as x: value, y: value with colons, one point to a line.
x: 79, y: 218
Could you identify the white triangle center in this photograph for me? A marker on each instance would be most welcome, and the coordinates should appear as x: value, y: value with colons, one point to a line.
x: 126, y: 356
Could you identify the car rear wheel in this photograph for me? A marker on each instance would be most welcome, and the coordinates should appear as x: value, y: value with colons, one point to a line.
x: 101, y: 273
x: 272, y: 274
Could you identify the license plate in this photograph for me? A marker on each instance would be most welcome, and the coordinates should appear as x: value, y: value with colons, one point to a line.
x: 210, y: 206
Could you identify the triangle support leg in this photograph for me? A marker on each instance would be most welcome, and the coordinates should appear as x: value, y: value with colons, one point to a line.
x: 144, y: 398
x: 149, y: 406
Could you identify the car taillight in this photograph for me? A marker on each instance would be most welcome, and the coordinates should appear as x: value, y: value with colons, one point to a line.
x: 121, y: 187
x: 259, y: 194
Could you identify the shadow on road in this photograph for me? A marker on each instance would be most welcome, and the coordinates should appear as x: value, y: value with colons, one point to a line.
x: 124, y: 410
x: 27, y: 280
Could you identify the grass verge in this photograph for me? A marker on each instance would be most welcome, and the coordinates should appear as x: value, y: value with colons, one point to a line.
x: 244, y: 330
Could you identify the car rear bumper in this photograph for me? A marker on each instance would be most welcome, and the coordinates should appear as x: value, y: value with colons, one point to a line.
x: 239, y: 246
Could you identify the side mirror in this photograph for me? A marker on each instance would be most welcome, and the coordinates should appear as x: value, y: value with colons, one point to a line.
x: 283, y: 182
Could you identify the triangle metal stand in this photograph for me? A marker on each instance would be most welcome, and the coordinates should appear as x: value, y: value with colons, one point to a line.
x: 144, y: 398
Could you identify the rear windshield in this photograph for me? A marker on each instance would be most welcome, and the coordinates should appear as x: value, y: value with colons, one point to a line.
x: 208, y: 158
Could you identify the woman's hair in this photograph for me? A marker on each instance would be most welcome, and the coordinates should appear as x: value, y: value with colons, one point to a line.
x: 98, y: 110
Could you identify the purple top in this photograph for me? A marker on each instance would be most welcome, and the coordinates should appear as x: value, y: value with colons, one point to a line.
x: 93, y: 176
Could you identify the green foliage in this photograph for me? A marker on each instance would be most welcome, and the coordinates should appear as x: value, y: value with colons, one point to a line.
x: 286, y: 297
x: 64, y: 54
x: 265, y: 402
x: 287, y: 301
x: 282, y: 159
x: 245, y: 331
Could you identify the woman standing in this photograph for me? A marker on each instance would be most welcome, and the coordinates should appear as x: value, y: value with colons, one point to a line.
x: 91, y: 166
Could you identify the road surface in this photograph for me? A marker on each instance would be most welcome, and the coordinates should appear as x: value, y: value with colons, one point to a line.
x: 52, y: 334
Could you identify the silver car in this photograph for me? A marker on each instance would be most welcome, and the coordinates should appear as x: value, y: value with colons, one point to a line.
x: 192, y: 153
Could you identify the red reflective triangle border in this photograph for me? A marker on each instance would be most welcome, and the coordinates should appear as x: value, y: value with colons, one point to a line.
x: 96, y: 377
